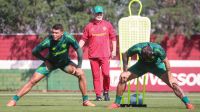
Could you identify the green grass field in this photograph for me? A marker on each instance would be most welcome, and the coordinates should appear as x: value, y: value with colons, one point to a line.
x: 71, y: 102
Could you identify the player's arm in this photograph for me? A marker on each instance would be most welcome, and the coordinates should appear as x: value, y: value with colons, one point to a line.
x: 125, y: 61
x: 79, y: 56
x: 114, y: 44
x: 81, y: 43
x: 84, y: 36
x: 162, y: 55
x: 112, y: 36
x: 77, y: 48
x: 167, y: 64
x: 130, y: 52
x: 40, y: 47
x: 168, y: 70
x: 79, y: 52
x: 160, y: 52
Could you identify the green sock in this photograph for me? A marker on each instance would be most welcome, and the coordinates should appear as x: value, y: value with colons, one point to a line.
x: 185, y: 99
x: 118, y: 99
x: 85, y: 98
x: 16, y: 98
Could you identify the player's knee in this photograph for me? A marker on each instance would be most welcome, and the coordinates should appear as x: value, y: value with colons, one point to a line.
x: 173, y: 81
x: 174, y: 84
x: 123, y: 77
x: 80, y: 76
x: 73, y: 72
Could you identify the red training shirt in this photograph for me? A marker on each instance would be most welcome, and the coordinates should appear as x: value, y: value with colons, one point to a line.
x: 98, y: 34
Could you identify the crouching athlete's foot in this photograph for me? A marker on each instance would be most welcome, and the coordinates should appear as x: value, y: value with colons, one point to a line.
x: 189, y: 106
x: 114, y: 106
x: 88, y: 103
x: 11, y: 103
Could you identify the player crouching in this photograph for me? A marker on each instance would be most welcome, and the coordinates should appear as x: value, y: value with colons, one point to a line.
x: 152, y: 58
x: 58, y: 44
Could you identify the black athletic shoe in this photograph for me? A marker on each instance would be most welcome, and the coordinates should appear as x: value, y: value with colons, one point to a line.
x: 98, y: 98
x: 106, y: 96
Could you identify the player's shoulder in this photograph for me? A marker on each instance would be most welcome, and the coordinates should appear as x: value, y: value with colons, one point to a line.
x: 88, y: 25
x: 91, y: 22
x: 157, y: 48
x: 156, y: 45
x: 107, y: 22
x: 68, y: 36
x: 48, y: 38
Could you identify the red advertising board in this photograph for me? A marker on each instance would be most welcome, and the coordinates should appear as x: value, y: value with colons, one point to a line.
x: 188, y: 79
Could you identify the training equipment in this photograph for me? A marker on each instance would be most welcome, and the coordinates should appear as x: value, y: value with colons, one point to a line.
x: 133, y: 99
x: 133, y: 30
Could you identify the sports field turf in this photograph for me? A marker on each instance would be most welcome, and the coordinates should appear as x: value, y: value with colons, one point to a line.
x: 71, y: 102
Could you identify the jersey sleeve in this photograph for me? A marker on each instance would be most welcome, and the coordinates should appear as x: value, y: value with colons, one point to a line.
x: 160, y: 52
x: 85, y: 33
x: 112, y: 33
x: 135, y: 49
x: 40, y: 47
x: 73, y: 42
x: 43, y: 45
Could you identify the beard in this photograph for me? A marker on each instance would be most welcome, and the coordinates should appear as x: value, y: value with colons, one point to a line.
x: 99, y: 18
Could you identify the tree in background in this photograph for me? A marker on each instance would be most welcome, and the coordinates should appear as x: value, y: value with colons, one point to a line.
x: 174, y: 16
x: 37, y: 16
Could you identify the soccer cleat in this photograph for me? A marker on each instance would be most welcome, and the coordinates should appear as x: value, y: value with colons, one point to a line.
x: 11, y: 103
x: 88, y: 103
x: 106, y: 96
x: 98, y: 98
x: 114, y: 106
x: 189, y: 106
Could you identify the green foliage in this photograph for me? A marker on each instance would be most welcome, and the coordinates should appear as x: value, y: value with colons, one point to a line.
x: 176, y: 17
x: 37, y: 16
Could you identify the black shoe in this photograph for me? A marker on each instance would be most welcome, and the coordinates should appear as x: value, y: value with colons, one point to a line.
x: 106, y: 96
x: 98, y: 98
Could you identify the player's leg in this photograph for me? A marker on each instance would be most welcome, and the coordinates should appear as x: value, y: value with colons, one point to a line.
x: 105, y: 66
x: 167, y: 77
x: 124, y: 77
x: 95, y: 68
x: 133, y: 72
x: 26, y: 88
x: 172, y: 83
x: 71, y: 69
x: 40, y: 73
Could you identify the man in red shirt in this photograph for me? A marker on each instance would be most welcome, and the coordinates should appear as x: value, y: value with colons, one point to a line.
x: 98, y: 32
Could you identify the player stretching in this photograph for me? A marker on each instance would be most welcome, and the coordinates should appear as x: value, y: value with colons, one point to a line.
x: 58, y: 44
x: 152, y: 58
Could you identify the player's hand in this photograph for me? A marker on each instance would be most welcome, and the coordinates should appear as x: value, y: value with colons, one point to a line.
x: 79, y: 72
x: 113, y: 53
x: 48, y: 65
